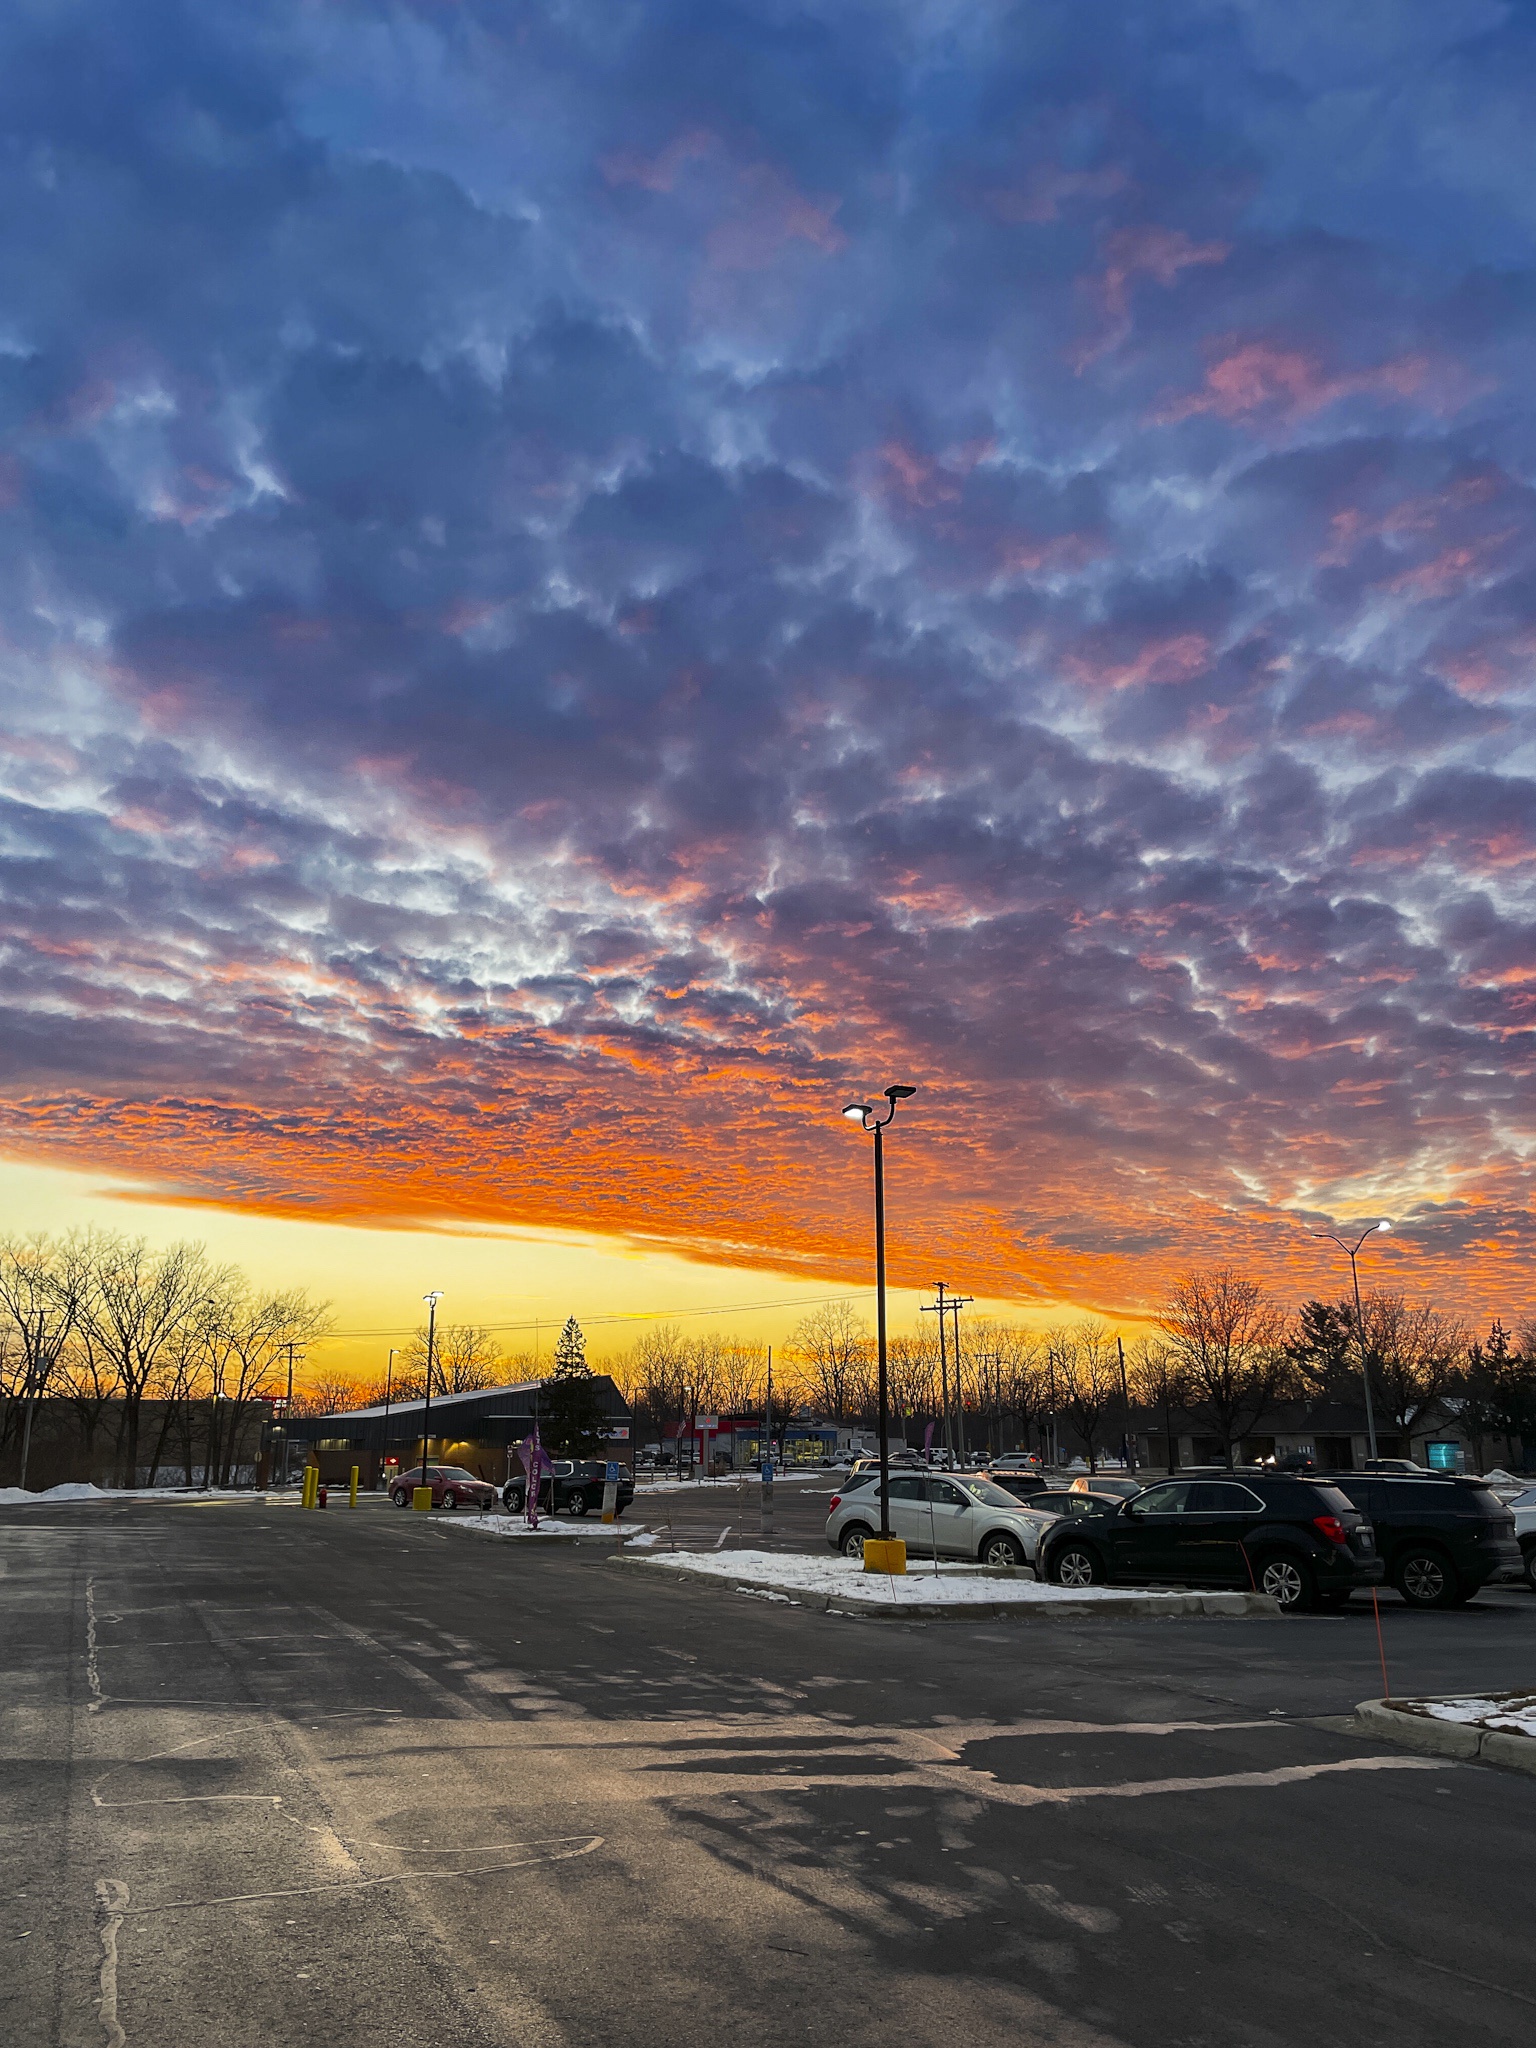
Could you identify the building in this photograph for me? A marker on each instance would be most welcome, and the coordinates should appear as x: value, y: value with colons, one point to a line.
x: 479, y: 1430
x: 1331, y: 1433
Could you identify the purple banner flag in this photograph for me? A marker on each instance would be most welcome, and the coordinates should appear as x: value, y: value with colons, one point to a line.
x: 535, y: 1464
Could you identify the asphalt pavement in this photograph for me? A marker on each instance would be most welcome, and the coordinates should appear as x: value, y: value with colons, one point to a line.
x: 276, y: 1777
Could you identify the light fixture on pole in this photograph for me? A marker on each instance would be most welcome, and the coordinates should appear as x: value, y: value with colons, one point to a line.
x: 426, y: 1414
x: 1353, y: 1252
x: 863, y: 1114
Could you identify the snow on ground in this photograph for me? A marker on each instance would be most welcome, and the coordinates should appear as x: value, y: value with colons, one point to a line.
x: 1513, y: 1714
x: 18, y: 1497
x: 516, y: 1526
x: 963, y: 1586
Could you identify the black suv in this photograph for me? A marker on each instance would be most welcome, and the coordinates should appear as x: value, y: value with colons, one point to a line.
x: 1299, y: 1540
x: 574, y: 1484
x: 1440, y: 1538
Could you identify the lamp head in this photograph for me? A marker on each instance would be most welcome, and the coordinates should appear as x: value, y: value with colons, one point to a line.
x: 1383, y: 1226
x: 856, y: 1112
x: 898, y: 1093
x: 433, y: 1299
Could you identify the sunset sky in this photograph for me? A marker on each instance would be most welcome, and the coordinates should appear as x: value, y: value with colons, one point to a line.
x: 582, y: 582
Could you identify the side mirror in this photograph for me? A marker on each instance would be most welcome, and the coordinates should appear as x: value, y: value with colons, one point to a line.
x: 1131, y: 1507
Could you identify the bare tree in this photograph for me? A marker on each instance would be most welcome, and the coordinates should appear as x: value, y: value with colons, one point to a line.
x: 42, y: 1285
x: 1157, y: 1376
x: 135, y: 1304
x: 1412, y: 1352
x: 831, y: 1346
x: 1087, y: 1379
x: 1228, y: 1338
x: 465, y: 1358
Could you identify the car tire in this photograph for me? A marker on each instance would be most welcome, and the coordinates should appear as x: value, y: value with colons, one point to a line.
x: 1077, y: 1566
x: 1289, y: 1583
x: 853, y: 1539
x: 512, y: 1502
x: 450, y: 1498
x: 1002, y: 1551
x: 580, y: 1502
x: 1530, y: 1567
x: 1425, y: 1578
x: 400, y: 1497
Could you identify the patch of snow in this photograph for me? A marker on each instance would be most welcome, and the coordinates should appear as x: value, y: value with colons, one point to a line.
x: 74, y: 1490
x: 1512, y: 1714
x: 846, y: 1578
x: 549, y: 1529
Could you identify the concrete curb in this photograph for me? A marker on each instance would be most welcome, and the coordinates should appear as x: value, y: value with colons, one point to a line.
x: 1114, y: 1607
x: 1394, y: 1721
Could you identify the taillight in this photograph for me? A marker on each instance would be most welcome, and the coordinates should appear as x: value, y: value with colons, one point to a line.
x: 1331, y: 1527
x: 837, y: 1501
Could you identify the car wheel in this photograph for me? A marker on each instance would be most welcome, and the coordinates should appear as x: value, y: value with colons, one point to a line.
x: 400, y: 1497
x: 1289, y: 1583
x: 1076, y: 1567
x: 580, y: 1502
x: 450, y: 1498
x: 1002, y: 1552
x: 1425, y: 1579
x: 1530, y: 1568
x: 512, y: 1502
x: 853, y: 1539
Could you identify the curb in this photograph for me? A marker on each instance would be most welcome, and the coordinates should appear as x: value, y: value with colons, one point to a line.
x: 1114, y: 1607
x: 1393, y: 1722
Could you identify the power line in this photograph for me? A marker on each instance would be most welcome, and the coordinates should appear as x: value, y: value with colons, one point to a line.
x: 652, y: 1315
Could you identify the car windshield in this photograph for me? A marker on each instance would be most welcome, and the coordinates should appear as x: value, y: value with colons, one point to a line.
x: 1524, y: 1500
x: 455, y: 1472
x: 990, y: 1496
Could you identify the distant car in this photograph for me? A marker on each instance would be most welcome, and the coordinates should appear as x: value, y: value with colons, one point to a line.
x: 574, y: 1487
x: 452, y: 1487
x: 1103, y: 1482
x: 1301, y: 1541
x: 1015, y: 1461
x: 1024, y: 1486
x: 1440, y: 1537
x: 939, y: 1517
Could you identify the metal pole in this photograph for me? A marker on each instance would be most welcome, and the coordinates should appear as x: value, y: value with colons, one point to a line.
x: 1125, y: 1395
x: 426, y: 1413
x: 1365, y: 1364
x: 288, y: 1422
x: 389, y: 1384
x: 956, y: 1303
x: 885, y: 1448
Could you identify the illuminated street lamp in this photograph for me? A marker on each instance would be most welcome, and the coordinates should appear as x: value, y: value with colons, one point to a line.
x: 426, y: 1414
x: 863, y: 1114
x: 1353, y: 1251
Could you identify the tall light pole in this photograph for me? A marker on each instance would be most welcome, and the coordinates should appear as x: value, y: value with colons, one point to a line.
x: 389, y: 1387
x: 426, y: 1414
x: 1353, y: 1251
x: 863, y: 1114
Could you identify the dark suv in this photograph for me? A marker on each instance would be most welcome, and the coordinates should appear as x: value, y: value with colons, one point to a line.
x: 575, y: 1485
x: 1299, y: 1540
x: 1440, y: 1538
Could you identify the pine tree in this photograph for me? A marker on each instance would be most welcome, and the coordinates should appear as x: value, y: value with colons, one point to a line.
x: 570, y: 1412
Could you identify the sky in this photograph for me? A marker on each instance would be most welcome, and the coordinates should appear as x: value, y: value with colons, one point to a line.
x: 580, y: 584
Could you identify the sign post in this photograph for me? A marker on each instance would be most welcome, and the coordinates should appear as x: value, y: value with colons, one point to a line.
x: 766, y: 1505
x: 611, y: 1491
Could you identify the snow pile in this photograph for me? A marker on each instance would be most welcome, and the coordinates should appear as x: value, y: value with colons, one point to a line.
x: 846, y: 1579
x: 516, y: 1527
x: 1511, y: 1713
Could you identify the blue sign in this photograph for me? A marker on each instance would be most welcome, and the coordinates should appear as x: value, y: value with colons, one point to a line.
x: 612, y: 1474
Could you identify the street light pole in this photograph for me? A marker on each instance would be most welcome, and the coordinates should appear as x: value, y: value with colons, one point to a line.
x: 864, y: 1116
x: 426, y: 1414
x: 1353, y: 1252
x: 389, y: 1387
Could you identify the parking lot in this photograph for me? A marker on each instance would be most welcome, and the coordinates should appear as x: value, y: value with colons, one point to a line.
x: 276, y: 1776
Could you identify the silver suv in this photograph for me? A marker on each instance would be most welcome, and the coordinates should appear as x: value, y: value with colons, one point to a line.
x: 939, y: 1517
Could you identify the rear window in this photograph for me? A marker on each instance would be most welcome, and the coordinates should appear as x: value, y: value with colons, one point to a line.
x: 1334, y: 1499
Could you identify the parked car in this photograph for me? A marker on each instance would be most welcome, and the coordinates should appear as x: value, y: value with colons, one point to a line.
x: 1024, y: 1486
x: 1440, y: 1538
x: 1015, y: 1461
x: 575, y: 1487
x: 940, y: 1517
x: 1058, y: 1500
x: 1299, y: 1540
x: 452, y: 1487
x: 1104, y: 1482
x: 1523, y: 1508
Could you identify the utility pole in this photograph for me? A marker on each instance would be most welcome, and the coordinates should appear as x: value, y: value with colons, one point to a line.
x: 426, y: 1414
x: 389, y: 1387
x: 937, y: 1308
x: 955, y: 1304
x: 288, y: 1420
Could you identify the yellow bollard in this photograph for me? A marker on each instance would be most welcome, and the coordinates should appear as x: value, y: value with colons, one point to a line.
x: 421, y: 1499
x: 890, y: 1556
x: 311, y: 1486
x: 352, y: 1490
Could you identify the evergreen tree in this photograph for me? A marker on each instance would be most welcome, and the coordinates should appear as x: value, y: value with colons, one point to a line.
x: 570, y: 1412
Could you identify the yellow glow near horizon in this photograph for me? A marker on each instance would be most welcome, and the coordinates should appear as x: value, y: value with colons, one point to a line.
x: 521, y: 1283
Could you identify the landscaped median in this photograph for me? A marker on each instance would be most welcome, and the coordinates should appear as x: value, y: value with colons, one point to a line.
x: 840, y: 1585
x: 551, y: 1529
x: 1494, y: 1728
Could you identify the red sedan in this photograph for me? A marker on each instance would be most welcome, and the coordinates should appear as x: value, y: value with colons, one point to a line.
x: 452, y: 1487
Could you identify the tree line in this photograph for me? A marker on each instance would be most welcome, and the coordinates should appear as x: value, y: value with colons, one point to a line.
x: 116, y: 1330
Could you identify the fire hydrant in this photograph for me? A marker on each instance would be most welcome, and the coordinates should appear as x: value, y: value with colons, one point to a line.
x: 322, y: 1496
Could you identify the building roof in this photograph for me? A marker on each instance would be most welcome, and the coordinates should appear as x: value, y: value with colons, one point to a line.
x: 514, y: 1402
